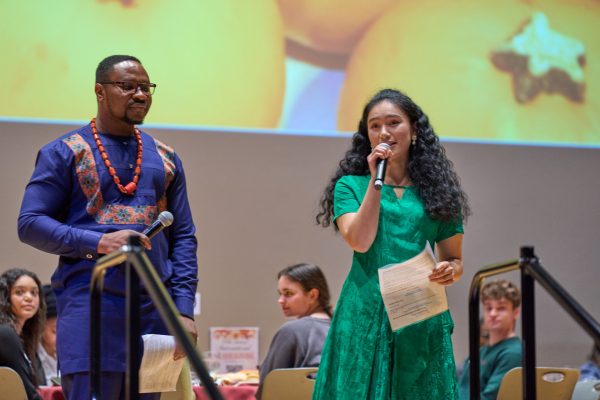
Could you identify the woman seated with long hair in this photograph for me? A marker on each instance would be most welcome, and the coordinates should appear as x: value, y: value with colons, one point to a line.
x: 22, y: 315
x: 304, y: 295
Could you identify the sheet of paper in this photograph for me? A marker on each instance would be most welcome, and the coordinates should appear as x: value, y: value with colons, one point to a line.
x: 408, y: 295
x: 159, y: 372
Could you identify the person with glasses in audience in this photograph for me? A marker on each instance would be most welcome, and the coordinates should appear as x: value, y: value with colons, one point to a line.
x: 91, y: 190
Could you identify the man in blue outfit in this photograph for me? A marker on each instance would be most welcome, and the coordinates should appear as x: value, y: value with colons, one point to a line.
x: 501, y: 306
x: 91, y: 190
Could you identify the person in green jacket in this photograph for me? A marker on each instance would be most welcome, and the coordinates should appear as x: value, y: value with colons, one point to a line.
x: 501, y: 301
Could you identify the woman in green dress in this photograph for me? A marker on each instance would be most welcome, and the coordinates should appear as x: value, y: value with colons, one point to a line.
x: 421, y: 201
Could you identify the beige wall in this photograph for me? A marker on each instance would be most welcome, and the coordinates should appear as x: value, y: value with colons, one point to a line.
x: 254, y: 198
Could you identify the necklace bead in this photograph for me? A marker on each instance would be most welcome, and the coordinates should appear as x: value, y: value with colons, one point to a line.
x: 128, y: 189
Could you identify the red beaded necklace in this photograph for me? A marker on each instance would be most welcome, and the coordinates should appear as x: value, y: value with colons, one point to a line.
x: 128, y: 189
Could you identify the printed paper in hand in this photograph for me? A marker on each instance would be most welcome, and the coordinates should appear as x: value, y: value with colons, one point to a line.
x: 408, y: 295
x: 159, y: 372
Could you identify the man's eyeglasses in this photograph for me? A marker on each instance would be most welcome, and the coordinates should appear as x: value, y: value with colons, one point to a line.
x: 132, y: 87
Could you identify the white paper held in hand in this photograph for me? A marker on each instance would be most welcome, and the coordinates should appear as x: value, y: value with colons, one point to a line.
x: 408, y: 295
x: 159, y: 372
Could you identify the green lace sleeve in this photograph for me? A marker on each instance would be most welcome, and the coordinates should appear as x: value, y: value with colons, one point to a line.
x: 449, y: 229
x: 345, y: 197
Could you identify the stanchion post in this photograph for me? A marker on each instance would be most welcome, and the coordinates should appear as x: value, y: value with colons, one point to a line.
x: 474, y: 333
x: 528, y: 322
x: 132, y: 324
x: 95, y: 334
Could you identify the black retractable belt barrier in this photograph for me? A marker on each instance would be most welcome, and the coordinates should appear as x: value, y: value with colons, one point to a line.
x: 139, y: 268
x: 531, y: 271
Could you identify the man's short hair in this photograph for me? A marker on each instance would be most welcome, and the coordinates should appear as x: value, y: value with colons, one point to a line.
x: 501, y: 289
x: 108, y: 63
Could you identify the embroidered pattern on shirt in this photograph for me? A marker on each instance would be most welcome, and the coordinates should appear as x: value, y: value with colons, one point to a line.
x: 168, y: 157
x: 89, y: 180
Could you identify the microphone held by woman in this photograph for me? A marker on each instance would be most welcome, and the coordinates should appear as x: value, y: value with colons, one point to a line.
x: 381, y: 167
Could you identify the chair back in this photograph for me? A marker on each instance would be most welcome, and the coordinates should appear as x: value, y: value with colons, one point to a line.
x: 289, y: 384
x: 551, y: 383
x: 11, y: 385
x: 587, y: 390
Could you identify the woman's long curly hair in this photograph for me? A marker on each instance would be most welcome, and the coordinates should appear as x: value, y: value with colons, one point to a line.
x: 428, y: 167
x: 33, y: 327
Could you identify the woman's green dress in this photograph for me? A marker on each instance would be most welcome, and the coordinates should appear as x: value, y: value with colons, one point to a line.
x: 363, y: 358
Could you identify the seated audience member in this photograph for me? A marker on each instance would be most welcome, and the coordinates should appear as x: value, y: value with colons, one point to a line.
x: 22, y: 313
x: 304, y: 295
x: 501, y: 301
x: 46, y: 351
x: 590, y: 371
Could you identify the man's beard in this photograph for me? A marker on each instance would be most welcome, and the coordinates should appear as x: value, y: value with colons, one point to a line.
x: 131, y: 121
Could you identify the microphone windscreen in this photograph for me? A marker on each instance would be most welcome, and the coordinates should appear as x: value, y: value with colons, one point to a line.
x: 165, y: 218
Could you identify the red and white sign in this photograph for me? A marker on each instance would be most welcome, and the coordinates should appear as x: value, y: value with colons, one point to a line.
x: 236, y: 348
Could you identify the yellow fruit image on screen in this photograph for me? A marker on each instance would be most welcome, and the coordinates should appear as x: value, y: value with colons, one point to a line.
x: 215, y: 62
x: 332, y: 26
x: 445, y: 55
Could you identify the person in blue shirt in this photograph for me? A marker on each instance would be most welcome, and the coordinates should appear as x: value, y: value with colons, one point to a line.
x: 501, y: 302
x: 590, y: 370
x: 91, y: 190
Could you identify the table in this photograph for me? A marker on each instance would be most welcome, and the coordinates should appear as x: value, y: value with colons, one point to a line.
x: 244, y: 392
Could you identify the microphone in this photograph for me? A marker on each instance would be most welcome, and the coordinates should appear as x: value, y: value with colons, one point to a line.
x: 381, y: 166
x: 164, y: 219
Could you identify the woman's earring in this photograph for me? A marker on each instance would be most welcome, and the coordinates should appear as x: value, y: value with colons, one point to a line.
x: 414, y: 140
